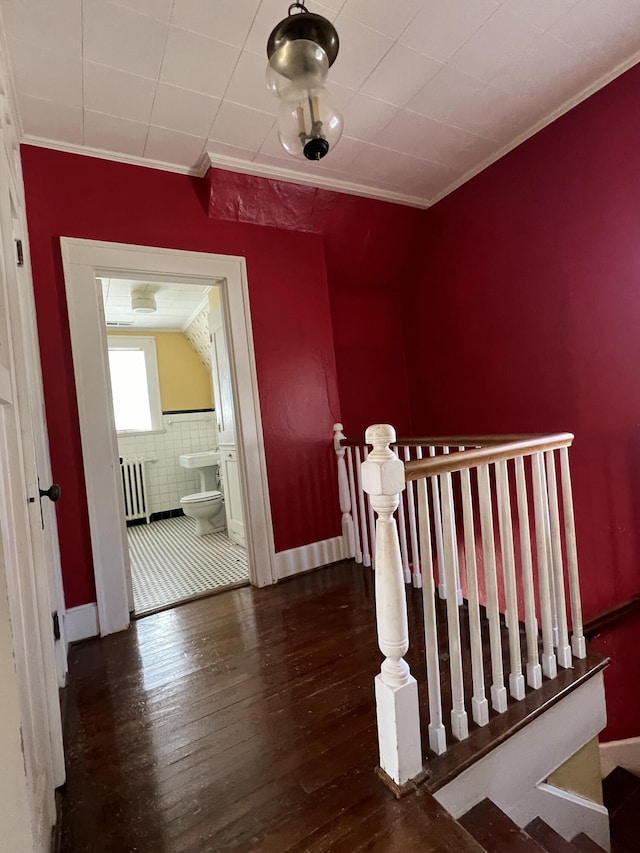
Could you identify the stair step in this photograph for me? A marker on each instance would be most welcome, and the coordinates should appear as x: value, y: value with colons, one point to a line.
x: 496, y: 832
x: 624, y: 821
x: 617, y: 787
x: 583, y: 843
x: 547, y: 837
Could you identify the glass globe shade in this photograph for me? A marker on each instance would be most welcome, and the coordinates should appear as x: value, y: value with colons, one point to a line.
x: 308, y: 124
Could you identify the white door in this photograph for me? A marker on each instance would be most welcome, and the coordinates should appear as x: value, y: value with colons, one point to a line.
x: 225, y: 416
x: 222, y: 387
x: 29, y: 707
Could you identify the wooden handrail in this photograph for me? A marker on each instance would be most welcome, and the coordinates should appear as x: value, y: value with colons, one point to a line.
x: 450, y: 440
x: 462, y: 460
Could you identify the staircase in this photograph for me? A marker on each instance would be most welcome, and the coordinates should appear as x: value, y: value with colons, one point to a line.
x: 621, y: 791
x: 497, y: 833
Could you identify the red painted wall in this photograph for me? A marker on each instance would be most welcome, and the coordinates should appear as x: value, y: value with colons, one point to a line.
x: 291, y: 236
x: 526, y: 317
x: 82, y: 197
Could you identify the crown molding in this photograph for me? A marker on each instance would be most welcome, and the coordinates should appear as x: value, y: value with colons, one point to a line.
x: 130, y: 159
x: 568, y: 105
x: 291, y: 176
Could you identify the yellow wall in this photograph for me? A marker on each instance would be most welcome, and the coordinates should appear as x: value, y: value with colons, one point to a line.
x: 581, y: 773
x: 185, y: 383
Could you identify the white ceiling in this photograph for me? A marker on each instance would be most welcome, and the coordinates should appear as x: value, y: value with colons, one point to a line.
x: 178, y: 304
x: 431, y: 90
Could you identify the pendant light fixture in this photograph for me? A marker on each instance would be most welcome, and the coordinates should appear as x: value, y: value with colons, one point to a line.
x: 301, y: 49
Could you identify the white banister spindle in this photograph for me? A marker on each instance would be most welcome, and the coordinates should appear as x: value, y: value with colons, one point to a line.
x: 479, y: 704
x: 396, y: 689
x: 445, y: 451
x: 372, y: 521
x: 578, y: 643
x: 366, y: 550
x: 534, y: 671
x: 516, y: 678
x: 547, y: 527
x: 563, y: 648
x: 413, y: 532
x: 404, y: 550
x: 354, y: 506
x: 437, y: 531
x: 459, y: 721
x: 549, y: 664
x: 437, y: 733
x: 344, y: 493
x: 498, y: 690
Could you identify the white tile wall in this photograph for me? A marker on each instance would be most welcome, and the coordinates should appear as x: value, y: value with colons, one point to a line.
x: 167, y: 482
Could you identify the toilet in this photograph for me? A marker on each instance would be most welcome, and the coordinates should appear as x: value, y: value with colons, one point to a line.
x: 206, y: 507
x: 207, y: 510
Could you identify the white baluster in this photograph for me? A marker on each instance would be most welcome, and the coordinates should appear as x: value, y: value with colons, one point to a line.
x: 557, y: 573
x: 372, y: 522
x: 366, y: 550
x: 459, y: 721
x: 479, y: 704
x: 549, y: 664
x: 413, y: 533
x: 396, y: 689
x: 354, y: 505
x: 578, y: 643
x: 437, y: 733
x: 516, y: 678
x: 547, y: 528
x: 344, y: 493
x: 445, y: 450
x: 534, y: 671
x: 404, y: 551
x: 437, y: 532
x: 498, y: 690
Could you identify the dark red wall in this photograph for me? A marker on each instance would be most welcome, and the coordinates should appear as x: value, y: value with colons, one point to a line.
x: 525, y: 316
x: 272, y: 225
x: 81, y: 197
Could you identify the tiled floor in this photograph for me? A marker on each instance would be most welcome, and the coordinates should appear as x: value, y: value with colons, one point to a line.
x: 170, y: 564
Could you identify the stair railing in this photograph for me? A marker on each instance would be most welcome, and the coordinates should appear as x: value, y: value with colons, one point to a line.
x: 507, y: 560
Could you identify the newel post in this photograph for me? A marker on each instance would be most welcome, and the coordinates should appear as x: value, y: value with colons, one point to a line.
x: 396, y: 689
x: 344, y: 492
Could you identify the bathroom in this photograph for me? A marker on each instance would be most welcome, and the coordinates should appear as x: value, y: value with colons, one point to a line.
x: 181, y: 492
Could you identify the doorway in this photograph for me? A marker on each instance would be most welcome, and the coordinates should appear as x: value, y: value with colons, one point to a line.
x: 86, y: 261
x: 182, y: 501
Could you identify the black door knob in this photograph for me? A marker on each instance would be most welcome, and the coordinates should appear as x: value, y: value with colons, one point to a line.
x: 53, y: 492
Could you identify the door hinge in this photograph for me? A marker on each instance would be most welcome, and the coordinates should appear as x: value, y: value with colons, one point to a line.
x: 56, y: 625
x: 19, y: 253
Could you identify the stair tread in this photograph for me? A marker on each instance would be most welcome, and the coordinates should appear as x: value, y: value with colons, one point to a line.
x: 624, y: 821
x: 547, y: 837
x: 583, y: 843
x: 617, y: 787
x: 496, y: 832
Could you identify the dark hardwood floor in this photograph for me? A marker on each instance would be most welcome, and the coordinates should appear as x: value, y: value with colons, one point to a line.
x: 244, y: 721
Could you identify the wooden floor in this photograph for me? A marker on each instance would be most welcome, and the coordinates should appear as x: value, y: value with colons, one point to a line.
x: 239, y: 722
x: 242, y: 722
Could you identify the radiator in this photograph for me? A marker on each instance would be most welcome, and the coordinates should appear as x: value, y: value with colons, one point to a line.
x: 134, y: 488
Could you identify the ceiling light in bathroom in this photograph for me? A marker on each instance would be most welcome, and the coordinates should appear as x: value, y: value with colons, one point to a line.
x: 143, y: 302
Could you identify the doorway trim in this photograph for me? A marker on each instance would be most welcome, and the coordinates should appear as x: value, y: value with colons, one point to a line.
x: 83, y: 261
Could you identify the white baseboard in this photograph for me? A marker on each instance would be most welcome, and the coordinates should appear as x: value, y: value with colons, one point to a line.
x: 620, y: 753
x: 82, y: 622
x: 311, y: 556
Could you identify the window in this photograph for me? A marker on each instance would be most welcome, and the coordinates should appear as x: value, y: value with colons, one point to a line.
x: 134, y: 383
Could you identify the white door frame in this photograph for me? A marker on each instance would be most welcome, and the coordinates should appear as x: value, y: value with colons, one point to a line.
x: 84, y: 260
